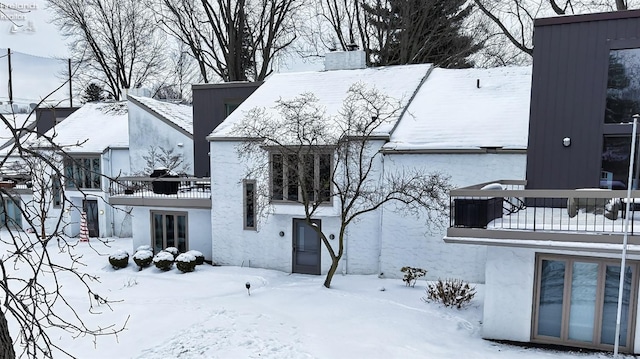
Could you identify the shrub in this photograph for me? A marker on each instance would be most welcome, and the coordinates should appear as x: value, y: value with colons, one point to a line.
x: 186, y: 262
x: 172, y: 250
x: 163, y: 260
x: 143, y: 258
x: 451, y: 292
x: 144, y: 247
x: 199, y: 256
x: 411, y: 275
x: 119, y: 259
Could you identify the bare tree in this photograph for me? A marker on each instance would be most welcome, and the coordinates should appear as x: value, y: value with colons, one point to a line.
x: 232, y: 40
x: 115, y: 41
x: 333, y: 160
x: 36, y: 254
x: 511, y: 23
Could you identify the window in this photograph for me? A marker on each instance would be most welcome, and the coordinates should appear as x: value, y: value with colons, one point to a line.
x: 623, y: 88
x: 615, y: 162
x: 10, y: 214
x: 229, y: 108
x: 82, y: 172
x: 249, y: 204
x: 56, y: 191
x: 169, y: 229
x: 576, y: 302
x: 295, y: 177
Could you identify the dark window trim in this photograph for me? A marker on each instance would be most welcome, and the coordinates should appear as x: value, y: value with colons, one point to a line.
x: 78, y: 168
x: 245, y: 203
x: 285, y: 186
x: 164, y: 234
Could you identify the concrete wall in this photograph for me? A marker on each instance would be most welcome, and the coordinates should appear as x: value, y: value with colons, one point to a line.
x: 198, y: 228
x: 145, y: 131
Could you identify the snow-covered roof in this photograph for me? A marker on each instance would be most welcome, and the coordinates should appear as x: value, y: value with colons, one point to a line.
x: 450, y: 111
x: 96, y: 126
x: 18, y: 120
x: 179, y: 115
x: 330, y: 88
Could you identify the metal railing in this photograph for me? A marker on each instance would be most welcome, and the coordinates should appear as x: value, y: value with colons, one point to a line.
x: 507, y: 205
x: 161, y: 187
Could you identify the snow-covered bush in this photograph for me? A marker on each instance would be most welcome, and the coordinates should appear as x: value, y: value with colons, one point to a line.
x: 163, y: 260
x: 144, y: 247
x: 199, y: 256
x: 119, y: 259
x: 143, y: 258
x: 186, y: 262
x: 411, y: 275
x: 172, y: 250
x: 451, y: 292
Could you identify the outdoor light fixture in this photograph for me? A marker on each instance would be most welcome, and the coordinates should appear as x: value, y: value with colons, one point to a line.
x: 101, y: 211
x: 331, y: 236
x: 281, y: 234
x: 566, y: 142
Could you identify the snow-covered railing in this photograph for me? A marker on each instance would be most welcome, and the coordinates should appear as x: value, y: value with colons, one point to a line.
x: 506, y: 205
x: 161, y: 187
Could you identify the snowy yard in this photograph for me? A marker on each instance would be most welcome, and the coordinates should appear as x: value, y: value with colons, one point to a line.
x: 209, y: 314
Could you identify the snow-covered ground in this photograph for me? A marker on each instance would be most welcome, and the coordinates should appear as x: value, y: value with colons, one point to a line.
x: 209, y: 314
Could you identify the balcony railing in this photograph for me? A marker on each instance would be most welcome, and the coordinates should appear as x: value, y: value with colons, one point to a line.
x: 506, y: 205
x: 182, y: 191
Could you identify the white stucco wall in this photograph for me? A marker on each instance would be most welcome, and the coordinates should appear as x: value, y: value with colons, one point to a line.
x: 198, y: 227
x: 508, y: 294
x: 145, y: 130
x: 408, y: 241
x: 382, y: 241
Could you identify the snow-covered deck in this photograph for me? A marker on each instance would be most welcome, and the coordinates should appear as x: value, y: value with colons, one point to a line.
x: 512, y: 216
x: 169, y: 192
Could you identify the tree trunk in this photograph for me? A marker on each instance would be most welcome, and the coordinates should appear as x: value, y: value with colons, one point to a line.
x: 6, y: 344
x: 332, y: 271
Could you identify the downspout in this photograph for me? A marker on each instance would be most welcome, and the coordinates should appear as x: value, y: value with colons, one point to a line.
x: 380, y: 221
x: 111, y: 210
x: 345, y: 256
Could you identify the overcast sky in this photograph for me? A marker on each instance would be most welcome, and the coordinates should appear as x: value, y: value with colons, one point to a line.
x: 33, y: 33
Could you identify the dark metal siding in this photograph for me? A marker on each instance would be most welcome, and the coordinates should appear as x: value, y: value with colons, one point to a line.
x: 568, y: 98
x: 46, y: 117
x: 208, y: 112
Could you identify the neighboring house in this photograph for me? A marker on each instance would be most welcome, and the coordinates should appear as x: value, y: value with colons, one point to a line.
x: 554, y: 241
x: 439, y: 106
x: 173, y: 211
x: 96, y: 148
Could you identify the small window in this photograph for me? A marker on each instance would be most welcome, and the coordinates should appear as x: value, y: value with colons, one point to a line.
x: 249, y: 194
x: 229, y: 108
x: 56, y: 192
x: 622, y: 87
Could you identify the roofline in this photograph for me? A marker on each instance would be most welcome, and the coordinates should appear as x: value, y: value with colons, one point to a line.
x: 161, y: 117
x: 234, y: 84
x: 231, y: 139
x: 600, y: 16
x: 413, y: 96
x: 458, y: 151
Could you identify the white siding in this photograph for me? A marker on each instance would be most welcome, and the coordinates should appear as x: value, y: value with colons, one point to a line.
x: 145, y: 130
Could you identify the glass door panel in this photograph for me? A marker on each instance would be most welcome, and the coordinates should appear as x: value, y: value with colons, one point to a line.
x: 610, y: 305
x: 158, y: 240
x: 584, y: 286
x: 551, y: 295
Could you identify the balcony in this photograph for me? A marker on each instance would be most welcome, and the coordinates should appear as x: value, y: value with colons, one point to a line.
x: 182, y: 192
x: 504, y: 213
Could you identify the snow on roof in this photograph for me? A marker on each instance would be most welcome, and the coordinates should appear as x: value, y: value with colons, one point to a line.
x: 180, y: 115
x: 330, y: 87
x: 451, y: 112
x: 18, y: 120
x: 96, y: 125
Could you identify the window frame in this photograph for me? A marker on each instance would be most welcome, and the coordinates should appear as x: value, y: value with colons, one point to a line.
x: 164, y: 214
x: 76, y: 172
x: 285, y: 195
x: 566, y: 299
x: 56, y: 191
x: 247, y: 199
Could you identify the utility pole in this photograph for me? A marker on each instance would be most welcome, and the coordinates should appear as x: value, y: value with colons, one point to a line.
x: 10, y: 84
